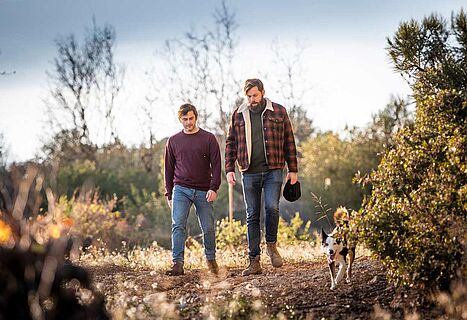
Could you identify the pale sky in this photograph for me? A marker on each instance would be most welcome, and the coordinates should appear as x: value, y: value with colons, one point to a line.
x: 346, y: 72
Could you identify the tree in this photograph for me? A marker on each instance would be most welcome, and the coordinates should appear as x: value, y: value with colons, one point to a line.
x: 415, y: 218
x: 289, y: 69
x: 84, y: 84
x: 328, y: 170
x: 423, y: 53
x: 200, y: 70
x: 6, y: 73
x: 3, y: 151
x: 386, y: 123
x: 4, y: 196
x: 375, y: 138
x: 331, y: 163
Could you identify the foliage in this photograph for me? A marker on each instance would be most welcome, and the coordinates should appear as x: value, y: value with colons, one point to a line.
x: 95, y: 219
x: 431, y: 55
x: 3, y: 152
x: 288, y: 70
x: 377, y: 136
x: 329, y: 168
x: 230, y: 233
x: 39, y: 284
x: 200, y: 70
x: 415, y: 218
x: 150, y: 215
x: 331, y: 162
x: 66, y: 147
x: 154, y: 208
x: 114, y: 170
x: 84, y: 83
x: 297, y: 229
x: 86, y: 176
x: 416, y: 213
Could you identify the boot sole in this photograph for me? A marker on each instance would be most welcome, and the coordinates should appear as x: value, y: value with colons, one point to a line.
x: 175, y: 275
x: 170, y: 274
x: 258, y: 272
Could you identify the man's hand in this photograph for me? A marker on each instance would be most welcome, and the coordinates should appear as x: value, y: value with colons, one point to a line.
x: 211, y: 196
x: 293, y: 177
x: 169, y: 202
x: 231, y: 178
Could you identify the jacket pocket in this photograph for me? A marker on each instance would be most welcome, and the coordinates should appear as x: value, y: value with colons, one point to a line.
x: 277, y: 126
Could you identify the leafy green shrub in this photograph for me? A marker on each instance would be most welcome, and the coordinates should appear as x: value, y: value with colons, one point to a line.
x: 295, y: 230
x: 81, y: 177
x: 415, y: 219
x: 150, y: 216
x: 234, y: 234
x: 230, y: 234
x: 94, y: 218
x: 154, y: 208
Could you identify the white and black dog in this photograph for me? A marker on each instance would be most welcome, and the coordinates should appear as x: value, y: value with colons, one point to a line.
x: 336, y: 249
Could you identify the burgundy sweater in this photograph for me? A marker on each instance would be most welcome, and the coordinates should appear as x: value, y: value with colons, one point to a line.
x: 193, y: 161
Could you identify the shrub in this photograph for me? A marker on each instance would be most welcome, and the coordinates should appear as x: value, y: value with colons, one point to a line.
x: 37, y: 277
x: 230, y: 234
x: 38, y: 284
x: 297, y: 229
x: 95, y: 219
x: 415, y: 218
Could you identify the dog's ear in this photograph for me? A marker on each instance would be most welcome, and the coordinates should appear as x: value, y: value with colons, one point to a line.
x: 323, y: 234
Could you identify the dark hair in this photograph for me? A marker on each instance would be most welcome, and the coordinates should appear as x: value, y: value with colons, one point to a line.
x: 185, y: 108
x: 251, y: 83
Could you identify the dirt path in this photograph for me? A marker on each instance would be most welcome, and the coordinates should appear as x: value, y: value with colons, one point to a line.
x: 294, y: 291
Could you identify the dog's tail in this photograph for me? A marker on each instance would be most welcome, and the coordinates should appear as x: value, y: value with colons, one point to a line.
x: 341, y: 216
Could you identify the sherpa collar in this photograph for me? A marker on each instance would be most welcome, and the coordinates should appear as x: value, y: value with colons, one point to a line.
x: 243, y: 109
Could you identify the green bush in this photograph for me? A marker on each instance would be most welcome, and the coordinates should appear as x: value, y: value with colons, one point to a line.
x: 150, y: 215
x: 152, y: 207
x: 81, y: 177
x: 297, y: 229
x: 230, y: 234
x: 95, y: 219
x: 415, y: 219
x: 234, y: 234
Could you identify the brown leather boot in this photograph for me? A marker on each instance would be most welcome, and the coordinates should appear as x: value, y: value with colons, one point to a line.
x: 212, y: 266
x: 276, y: 259
x: 177, y: 269
x: 254, y: 267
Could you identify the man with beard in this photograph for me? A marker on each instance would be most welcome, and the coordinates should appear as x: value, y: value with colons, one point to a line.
x: 261, y: 141
x: 192, y: 176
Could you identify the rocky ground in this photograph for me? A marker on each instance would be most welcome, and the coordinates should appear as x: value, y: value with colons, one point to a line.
x: 297, y: 291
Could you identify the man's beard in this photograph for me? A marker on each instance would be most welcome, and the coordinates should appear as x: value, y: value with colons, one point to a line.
x: 258, y: 106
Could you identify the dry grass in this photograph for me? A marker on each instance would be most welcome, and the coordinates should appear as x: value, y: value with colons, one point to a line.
x: 140, y: 290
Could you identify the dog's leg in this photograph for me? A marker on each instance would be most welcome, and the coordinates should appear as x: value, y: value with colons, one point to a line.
x: 332, y: 270
x: 340, y: 273
x: 349, y: 267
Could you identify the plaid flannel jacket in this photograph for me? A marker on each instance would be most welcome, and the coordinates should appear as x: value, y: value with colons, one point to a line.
x: 279, y: 139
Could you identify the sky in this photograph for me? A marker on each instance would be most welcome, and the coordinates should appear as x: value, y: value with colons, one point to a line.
x: 346, y: 75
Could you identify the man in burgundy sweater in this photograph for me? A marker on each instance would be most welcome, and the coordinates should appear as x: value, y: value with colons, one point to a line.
x: 192, y: 176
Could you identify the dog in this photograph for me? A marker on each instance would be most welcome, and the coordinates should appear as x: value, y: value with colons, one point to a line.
x: 336, y: 248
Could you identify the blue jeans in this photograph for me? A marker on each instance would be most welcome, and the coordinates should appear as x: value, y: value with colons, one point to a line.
x: 253, y: 185
x: 182, y: 200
